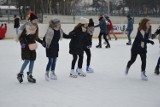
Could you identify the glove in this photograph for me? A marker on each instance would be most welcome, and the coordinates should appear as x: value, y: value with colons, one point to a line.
x: 153, y: 36
x: 152, y: 42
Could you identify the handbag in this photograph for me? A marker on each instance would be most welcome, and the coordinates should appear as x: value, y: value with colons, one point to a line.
x: 33, y: 46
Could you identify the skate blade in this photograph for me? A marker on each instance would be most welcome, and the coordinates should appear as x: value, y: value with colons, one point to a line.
x: 73, y: 76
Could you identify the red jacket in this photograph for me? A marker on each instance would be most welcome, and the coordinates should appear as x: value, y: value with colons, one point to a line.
x: 3, y: 31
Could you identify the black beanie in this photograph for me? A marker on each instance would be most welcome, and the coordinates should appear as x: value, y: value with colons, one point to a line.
x: 32, y: 17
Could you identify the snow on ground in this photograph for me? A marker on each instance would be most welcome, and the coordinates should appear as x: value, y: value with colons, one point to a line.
x: 107, y: 87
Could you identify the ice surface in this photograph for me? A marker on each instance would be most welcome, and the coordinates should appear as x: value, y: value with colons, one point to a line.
x: 107, y: 87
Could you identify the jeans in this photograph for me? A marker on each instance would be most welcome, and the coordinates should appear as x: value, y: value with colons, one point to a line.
x: 80, y: 61
x: 51, y: 64
x: 133, y: 59
x: 25, y: 64
x: 17, y: 31
x: 129, y: 35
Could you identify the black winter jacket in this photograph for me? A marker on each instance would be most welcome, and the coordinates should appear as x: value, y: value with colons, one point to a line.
x: 139, y: 41
x: 79, y: 41
x: 26, y: 53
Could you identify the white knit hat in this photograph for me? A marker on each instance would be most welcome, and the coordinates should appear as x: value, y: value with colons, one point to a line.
x: 84, y: 20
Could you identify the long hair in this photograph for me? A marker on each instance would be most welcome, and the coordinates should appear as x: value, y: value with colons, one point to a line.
x: 142, y: 25
x: 78, y: 26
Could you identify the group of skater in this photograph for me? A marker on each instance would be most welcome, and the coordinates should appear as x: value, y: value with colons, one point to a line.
x: 80, y: 43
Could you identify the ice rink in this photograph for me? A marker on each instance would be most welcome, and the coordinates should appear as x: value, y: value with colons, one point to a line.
x: 107, y: 87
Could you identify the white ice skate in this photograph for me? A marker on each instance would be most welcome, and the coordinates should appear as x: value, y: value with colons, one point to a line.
x: 144, y: 77
x: 89, y: 70
x: 73, y: 74
x: 47, y: 76
x: 80, y: 72
x: 53, y: 76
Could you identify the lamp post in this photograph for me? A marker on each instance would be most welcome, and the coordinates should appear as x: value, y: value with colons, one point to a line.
x: 58, y: 8
x: 108, y: 7
x: 64, y: 8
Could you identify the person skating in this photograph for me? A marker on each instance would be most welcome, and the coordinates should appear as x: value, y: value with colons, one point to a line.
x: 27, y: 39
x: 52, y: 37
x: 157, y: 32
x: 110, y: 28
x: 77, y: 44
x: 103, y: 31
x: 16, y: 23
x: 87, y: 49
x: 139, y: 47
x: 129, y: 29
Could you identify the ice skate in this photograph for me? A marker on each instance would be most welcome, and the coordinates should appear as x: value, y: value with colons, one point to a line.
x: 53, y: 76
x: 89, y: 70
x: 80, y: 72
x: 73, y: 74
x: 144, y: 77
x: 47, y: 76
x: 20, y: 77
x: 30, y: 78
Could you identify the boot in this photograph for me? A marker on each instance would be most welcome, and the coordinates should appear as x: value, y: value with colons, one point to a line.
x: 53, y: 76
x: 30, y: 78
x: 127, y: 69
x: 73, y: 74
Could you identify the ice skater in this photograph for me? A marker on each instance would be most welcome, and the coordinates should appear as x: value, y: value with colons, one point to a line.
x: 103, y: 31
x: 77, y: 45
x: 27, y: 39
x: 129, y: 29
x: 157, y: 32
x: 87, y: 48
x: 139, y: 47
x: 51, y: 39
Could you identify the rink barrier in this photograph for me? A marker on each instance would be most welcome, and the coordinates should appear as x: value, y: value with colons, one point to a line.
x: 119, y: 30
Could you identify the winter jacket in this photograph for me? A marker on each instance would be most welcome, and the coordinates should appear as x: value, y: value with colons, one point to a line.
x: 3, y: 31
x: 103, y: 25
x: 51, y: 40
x: 140, y: 42
x: 79, y: 41
x: 26, y: 39
x: 110, y: 26
x: 130, y: 24
x: 16, y: 23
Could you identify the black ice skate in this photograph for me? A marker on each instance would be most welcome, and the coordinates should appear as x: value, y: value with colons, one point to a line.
x: 108, y: 46
x: 156, y: 71
x: 20, y: 77
x: 30, y: 78
x: 99, y: 46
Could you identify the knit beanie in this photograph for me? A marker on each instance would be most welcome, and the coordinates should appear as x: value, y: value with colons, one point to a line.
x: 32, y: 17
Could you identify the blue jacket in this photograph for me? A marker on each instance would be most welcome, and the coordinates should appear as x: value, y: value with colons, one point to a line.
x: 130, y: 24
x: 103, y: 26
x: 140, y: 42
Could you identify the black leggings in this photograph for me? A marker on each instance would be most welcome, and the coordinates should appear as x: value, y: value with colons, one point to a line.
x: 133, y: 58
x: 105, y: 38
x: 80, y: 61
x: 88, y: 53
x: 158, y: 64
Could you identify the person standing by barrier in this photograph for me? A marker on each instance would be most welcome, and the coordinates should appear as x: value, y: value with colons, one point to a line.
x: 16, y: 23
x: 129, y: 29
x: 140, y: 47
